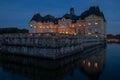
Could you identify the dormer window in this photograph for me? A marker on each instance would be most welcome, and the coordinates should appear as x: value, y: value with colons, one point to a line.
x: 63, y: 19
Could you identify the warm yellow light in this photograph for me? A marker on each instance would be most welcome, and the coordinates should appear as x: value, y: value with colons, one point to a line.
x: 63, y: 32
x: 73, y: 26
x: 66, y: 32
x: 47, y: 27
x: 89, y: 33
x: 74, y: 33
x: 89, y: 23
x: 34, y: 26
x: 89, y: 64
x: 96, y: 23
x: 60, y: 32
x: 40, y: 26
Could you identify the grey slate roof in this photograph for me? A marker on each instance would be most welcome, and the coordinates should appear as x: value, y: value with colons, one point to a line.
x: 37, y: 17
x: 49, y: 18
x: 92, y: 10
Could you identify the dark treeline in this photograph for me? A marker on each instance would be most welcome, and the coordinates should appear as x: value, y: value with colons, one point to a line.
x: 12, y: 30
x: 110, y: 36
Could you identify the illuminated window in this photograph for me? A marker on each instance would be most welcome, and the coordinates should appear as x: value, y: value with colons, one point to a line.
x: 74, y: 33
x: 34, y: 26
x: 30, y: 26
x: 89, y: 33
x: 96, y: 36
x: 40, y: 26
x: 66, y: 32
x: 60, y: 32
x: 96, y: 23
x: 47, y: 27
x: 89, y: 24
x: 73, y: 26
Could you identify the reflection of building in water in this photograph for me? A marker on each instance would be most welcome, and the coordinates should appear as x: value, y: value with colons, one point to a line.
x: 93, y: 65
x: 90, y: 62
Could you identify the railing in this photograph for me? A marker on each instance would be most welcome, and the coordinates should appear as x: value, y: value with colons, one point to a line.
x: 41, y: 40
x: 47, y: 40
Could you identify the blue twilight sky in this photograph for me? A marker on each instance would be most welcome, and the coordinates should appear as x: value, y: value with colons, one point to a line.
x: 17, y: 13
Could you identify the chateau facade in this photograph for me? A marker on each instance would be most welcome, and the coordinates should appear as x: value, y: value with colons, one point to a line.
x: 90, y: 23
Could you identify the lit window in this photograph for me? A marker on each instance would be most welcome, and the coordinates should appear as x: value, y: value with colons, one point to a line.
x: 89, y: 24
x: 30, y: 26
x: 60, y: 32
x: 74, y: 33
x: 96, y: 36
x: 96, y: 23
x: 40, y: 26
x: 47, y: 27
x: 34, y: 26
x: 66, y: 32
x: 89, y: 33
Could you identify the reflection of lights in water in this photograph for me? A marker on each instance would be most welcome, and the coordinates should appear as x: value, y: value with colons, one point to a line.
x: 89, y: 64
x: 30, y: 34
x: 96, y: 65
x: 83, y: 61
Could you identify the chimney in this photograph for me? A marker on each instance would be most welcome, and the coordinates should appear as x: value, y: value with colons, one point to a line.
x: 72, y: 11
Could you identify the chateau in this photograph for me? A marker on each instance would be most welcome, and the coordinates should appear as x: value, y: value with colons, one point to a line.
x: 90, y: 23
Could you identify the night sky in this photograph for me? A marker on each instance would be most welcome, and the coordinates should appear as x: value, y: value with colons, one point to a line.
x: 17, y: 13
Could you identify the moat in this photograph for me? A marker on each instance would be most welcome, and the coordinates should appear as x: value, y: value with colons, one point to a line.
x: 97, y: 63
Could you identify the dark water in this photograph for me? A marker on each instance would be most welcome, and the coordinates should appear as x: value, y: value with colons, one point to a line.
x: 98, y: 63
